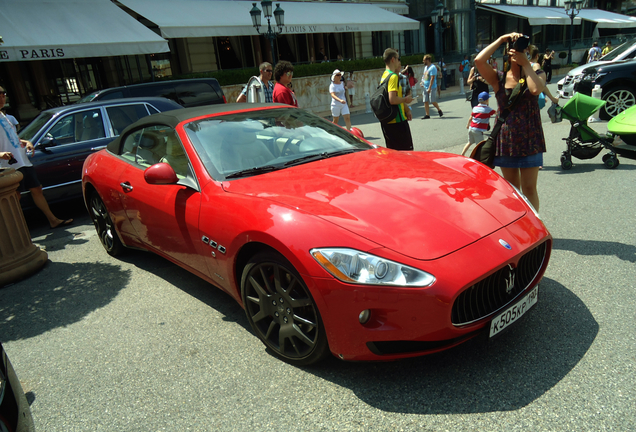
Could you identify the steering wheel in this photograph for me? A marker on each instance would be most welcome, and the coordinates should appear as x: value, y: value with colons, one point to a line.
x: 286, y: 151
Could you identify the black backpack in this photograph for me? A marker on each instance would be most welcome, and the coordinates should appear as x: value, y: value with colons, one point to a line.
x: 380, y: 104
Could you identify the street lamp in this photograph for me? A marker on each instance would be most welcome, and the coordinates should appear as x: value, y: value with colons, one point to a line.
x: 572, y: 9
x: 440, y: 13
x: 279, y: 16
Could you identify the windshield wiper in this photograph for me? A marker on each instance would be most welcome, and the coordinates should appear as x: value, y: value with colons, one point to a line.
x: 323, y: 155
x: 254, y: 171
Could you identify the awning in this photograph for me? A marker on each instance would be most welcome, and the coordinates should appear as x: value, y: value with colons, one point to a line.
x: 536, y: 15
x: 202, y: 18
x: 398, y: 8
x: 54, y: 29
x: 605, y: 19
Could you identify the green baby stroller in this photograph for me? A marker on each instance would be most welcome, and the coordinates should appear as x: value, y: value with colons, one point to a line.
x: 583, y: 142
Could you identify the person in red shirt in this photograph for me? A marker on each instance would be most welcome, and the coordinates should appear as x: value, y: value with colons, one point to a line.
x: 283, y: 73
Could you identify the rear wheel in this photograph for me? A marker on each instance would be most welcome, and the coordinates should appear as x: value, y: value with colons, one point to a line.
x: 566, y: 162
x: 281, y: 310
x: 617, y: 100
x: 104, y: 226
x: 611, y: 162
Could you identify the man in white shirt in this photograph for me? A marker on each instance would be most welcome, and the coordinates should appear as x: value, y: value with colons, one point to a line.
x: 13, y: 154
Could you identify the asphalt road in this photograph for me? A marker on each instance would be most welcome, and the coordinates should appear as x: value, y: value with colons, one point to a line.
x: 138, y: 344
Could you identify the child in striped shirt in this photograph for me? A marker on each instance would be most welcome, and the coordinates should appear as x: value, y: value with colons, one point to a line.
x: 478, y: 121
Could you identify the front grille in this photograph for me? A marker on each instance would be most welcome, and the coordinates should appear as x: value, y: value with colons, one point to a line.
x: 499, y: 289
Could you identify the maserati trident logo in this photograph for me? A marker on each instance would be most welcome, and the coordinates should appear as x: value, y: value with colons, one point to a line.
x: 505, y: 244
x: 510, y: 280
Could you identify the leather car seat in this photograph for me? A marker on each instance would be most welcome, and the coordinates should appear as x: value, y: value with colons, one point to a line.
x: 242, y: 150
x: 175, y: 156
x: 93, y: 128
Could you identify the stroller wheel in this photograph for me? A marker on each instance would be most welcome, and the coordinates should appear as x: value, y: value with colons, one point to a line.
x: 611, y: 162
x: 606, y: 157
x: 566, y: 162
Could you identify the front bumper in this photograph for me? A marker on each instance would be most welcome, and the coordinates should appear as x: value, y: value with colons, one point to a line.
x: 407, y: 322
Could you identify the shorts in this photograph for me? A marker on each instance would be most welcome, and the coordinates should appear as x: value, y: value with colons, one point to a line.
x: 397, y: 136
x: 430, y: 97
x: 475, y: 137
x: 352, y: 91
x: 29, y: 179
x: 532, y: 161
x: 339, y: 109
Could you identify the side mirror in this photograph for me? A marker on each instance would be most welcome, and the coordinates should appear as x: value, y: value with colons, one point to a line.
x: 47, y: 141
x: 160, y: 174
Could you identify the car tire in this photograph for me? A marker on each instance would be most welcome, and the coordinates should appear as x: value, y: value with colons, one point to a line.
x: 617, y: 100
x: 281, y: 310
x: 104, y: 226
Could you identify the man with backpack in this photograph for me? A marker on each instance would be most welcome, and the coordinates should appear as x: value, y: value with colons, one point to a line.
x: 397, y: 133
x: 595, y: 53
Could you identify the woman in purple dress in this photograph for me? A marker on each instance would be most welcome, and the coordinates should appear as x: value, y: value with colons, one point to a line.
x: 520, y: 143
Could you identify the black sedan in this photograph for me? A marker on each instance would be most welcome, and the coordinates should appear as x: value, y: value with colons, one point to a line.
x: 64, y: 136
x: 618, y: 82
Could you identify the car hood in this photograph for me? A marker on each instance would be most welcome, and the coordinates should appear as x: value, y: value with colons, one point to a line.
x: 579, y: 69
x: 423, y: 205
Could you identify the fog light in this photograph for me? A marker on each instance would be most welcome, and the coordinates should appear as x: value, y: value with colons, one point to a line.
x: 364, y: 316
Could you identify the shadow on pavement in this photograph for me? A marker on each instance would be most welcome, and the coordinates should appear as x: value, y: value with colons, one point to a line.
x: 189, y: 283
x: 478, y: 377
x: 58, y: 295
x: 622, y: 251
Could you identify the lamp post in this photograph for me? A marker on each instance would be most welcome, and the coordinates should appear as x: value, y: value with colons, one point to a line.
x: 279, y: 16
x: 440, y: 13
x: 572, y: 9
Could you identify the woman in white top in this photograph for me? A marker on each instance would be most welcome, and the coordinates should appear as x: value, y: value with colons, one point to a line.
x: 338, y: 99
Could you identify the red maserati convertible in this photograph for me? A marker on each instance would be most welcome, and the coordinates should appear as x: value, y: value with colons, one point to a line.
x: 329, y: 243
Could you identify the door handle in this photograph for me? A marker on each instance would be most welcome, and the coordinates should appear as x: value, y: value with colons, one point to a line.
x: 126, y: 186
x: 98, y: 148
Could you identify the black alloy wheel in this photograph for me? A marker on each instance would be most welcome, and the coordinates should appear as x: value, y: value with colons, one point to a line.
x: 104, y: 226
x: 281, y: 310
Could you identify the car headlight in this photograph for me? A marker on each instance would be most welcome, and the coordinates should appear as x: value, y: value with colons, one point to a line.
x: 353, y: 266
x: 526, y: 200
x: 594, y: 77
x: 578, y: 78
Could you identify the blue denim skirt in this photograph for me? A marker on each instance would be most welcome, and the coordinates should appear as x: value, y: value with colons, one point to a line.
x: 532, y: 161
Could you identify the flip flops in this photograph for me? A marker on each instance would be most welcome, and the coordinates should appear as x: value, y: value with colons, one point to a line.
x: 64, y: 223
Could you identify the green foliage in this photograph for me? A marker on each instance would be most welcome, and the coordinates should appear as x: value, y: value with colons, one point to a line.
x: 241, y: 76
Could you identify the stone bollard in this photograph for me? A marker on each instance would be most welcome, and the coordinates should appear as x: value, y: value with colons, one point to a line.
x: 367, y: 101
x: 19, y: 257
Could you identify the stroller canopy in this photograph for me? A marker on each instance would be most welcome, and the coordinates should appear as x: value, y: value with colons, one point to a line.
x: 580, y: 107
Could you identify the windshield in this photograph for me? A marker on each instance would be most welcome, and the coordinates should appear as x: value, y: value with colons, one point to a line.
x: 88, y: 98
x: 251, y: 143
x: 617, y: 51
x: 29, y: 132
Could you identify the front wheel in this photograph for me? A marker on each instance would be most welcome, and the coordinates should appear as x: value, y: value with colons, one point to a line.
x: 611, y: 162
x: 617, y: 100
x: 281, y: 310
x: 104, y: 226
x: 566, y: 163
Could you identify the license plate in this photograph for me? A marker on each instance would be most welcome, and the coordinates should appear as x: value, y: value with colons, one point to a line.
x: 514, y: 312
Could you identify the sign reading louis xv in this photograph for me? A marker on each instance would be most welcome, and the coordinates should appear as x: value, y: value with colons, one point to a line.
x: 20, y: 54
x: 321, y: 28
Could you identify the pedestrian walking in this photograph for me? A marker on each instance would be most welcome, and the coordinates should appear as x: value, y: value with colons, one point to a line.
x: 607, y: 48
x: 464, y: 68
x: 13, y: 154
x: 351, y: 88
x: 477, y: 84
x: 261, y: 88
x: 283, y: 74
x: 547, y: 65
x: 595, y: 53
x: 429, y: 86
x: 339, y: 99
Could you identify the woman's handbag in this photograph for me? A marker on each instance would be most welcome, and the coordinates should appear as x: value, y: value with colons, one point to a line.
x: 484, y: 151
x: 469, y: 95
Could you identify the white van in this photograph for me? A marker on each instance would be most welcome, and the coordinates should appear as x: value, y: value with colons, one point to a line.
x: 624, y: 51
